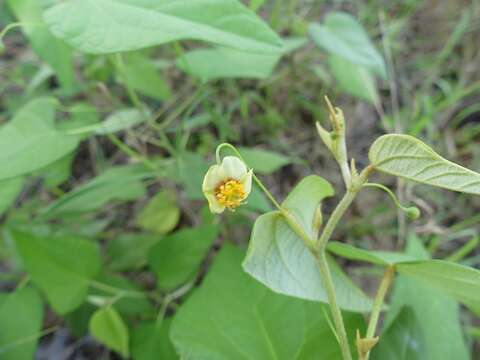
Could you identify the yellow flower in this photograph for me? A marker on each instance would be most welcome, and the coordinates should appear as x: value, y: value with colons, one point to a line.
x: 227, y: 185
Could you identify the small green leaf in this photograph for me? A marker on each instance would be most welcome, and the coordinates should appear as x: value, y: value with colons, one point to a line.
x: 32, y: 140
x: 370, y: 256
x: 152, y: 342
x: 279, y: 259
x: 266, y: 325
x: 61, y: 267
x: 21, y: 314
x: 264, y: 161
x: 120, y: 120
x: 403, y: 340
x: 161, y: 214
x: 407, y: 157
x: 109, y: 328
x: 109, y: 26
x: 142, y: 75
x: 129, y: 251
x: 342, y: 35
x: 117, y: 183
x: 175, y: 259
x: 354, y: 79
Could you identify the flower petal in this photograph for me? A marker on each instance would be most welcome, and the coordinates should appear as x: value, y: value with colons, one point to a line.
x: 214, y: 176
x: 213, y: 204
x: 246, y: 181
x: 233, y: 167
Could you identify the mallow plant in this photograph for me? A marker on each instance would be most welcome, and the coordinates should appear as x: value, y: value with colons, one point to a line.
x: 289, y: 249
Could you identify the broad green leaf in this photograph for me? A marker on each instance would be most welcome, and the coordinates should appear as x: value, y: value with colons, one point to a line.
x: 264, y: 161
x: 109, y: 328
x: 407, y: 157
x: 108, y: 26
x: 54, y: 51
x: 175, y: 259
x: 266, y: 325
x: 21, y: 314
x: 9, y: 190
x: 341, y: 35
x: 152, y: 342
x: 120, y: 120
x: 117, y: 183
x: 279, y: 259
x: 460, y: 282
x: 257, y: 200
x: 161, y: 214
x: 129, y: 251
x: 189, y: 170
x: 57, y: 172
x: 437, y: 314
x: 371, y: 256
x: 223, y: 62
x: 62, y: 267
x: 403, y: 340
x: 32, y: 140
x: 354, y: 79
x: 142, y: 75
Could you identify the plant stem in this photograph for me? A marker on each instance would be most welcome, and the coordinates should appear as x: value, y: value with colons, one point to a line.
x: 327, y: 281
x: 379, y: 298
x: 334, y: 219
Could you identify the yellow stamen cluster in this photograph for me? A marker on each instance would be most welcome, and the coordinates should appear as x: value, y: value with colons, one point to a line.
x: 230, y: 194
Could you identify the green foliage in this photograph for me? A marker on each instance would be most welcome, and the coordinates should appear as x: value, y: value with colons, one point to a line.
x: 279, y: 259
x: 32, y: 139
x: 125, y: 26
x: 109, y: 328
x: 161, y: 214
x: 175, y: 258
x: 21, y: 312
x: 62, y: 267
x: 408, y: 157
x: 267, y: 325
x: 150, y: 341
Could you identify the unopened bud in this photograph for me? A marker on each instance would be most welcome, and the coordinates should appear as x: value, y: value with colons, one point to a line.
x: 317, y: 220
x: 412, y: 212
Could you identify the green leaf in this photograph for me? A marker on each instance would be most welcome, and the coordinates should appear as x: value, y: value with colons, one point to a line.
x: 120, y: 120
x: 21, y: 314
x: 223, y: 62
x: 108, y: 26
x: 266, y: 325
x: 407, y: 157
x: 341, y: 35
x: 57, y: 172
x: 458, y: 281
x: 142, y: 75
x: 175, y: 259
x: 9, y: 190
x: 189, y: 170
x: 161, y: 214
x: 354, y: 79
x: 54, y: 51
x: 437, y: 314
x: 32, y: 140
x: 129, y: 251
x: 370, y: 256
x: 117, y: 183
x: 152, y: 342
x: 264, y: 161
x: 279, y: 259
x: 403, y: 340
x: 109, y: 328
x: 61, y: 267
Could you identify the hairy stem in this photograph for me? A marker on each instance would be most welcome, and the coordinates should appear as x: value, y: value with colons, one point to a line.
x: 327, y: 281
x: 388, y: 276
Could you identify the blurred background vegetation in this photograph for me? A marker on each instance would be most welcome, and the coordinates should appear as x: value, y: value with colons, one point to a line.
x: 432, y: 91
